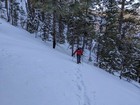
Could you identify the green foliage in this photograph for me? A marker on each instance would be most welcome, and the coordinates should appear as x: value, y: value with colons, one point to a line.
x: 108, y: 48
x: 14, y: 12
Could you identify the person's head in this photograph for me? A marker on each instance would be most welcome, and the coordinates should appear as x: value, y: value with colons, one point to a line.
x: 79, y: 48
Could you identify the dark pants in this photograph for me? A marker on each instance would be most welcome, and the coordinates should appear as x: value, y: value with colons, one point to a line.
x: 78, y: 58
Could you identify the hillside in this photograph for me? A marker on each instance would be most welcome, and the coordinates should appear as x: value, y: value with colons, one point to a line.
x: 32, y: 73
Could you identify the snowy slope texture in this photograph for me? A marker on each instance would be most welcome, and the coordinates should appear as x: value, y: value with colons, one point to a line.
x: 32, y: 73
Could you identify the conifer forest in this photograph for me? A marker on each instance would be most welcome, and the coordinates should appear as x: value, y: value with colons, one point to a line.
x: 108, y: 28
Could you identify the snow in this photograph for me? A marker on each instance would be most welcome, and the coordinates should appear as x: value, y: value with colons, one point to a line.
x: 33, y: 73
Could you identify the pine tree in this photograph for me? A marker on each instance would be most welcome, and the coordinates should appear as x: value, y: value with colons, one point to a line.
x: 1, y: 10
x: 22, y: 17
x: 54, y: 8
x: 46, y: 27
x: 129, y: 49
x: 7, y: 10
x: 80, y: 24
x: 109, y: 57
x: 30, y: 17
x: 15, y: 12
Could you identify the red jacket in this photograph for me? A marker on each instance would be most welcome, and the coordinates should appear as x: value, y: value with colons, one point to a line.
x: 79, y: 52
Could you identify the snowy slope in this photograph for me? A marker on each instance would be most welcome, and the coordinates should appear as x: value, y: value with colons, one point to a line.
x: 32, y: 73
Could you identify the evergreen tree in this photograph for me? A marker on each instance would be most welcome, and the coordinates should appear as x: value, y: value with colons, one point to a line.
x: 129, y: 49
x: 1, y: 10
x: 46, y: 27
x: 31, y: 20
x: 80, y: 24
x: 15, y: 12
x: 7, y: 10
x: 53, y: 8
x: 109, y: 57
x: 22, y: 17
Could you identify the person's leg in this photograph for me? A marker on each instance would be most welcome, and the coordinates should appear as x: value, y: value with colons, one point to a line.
x: 78, y: 58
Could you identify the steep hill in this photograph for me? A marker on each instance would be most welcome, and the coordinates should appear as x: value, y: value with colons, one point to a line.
x: 32, y: 73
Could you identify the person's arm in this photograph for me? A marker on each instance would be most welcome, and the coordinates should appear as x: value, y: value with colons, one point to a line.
x: 82, y: 52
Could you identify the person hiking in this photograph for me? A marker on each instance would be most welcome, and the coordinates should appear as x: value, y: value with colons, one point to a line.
x: 79, y: 53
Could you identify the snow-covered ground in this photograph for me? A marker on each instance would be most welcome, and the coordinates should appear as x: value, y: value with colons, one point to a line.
x: 32, y: 73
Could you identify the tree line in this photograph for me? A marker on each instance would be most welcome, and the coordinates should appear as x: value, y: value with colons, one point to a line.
x: 113, y: 25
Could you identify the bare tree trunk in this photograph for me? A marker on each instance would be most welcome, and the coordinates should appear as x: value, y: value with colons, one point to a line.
x: 120, y: 31
x: 28, y: 6
x: 61, y: 40
x: 121, y: 17
x: 72, y: 49
x: 7, y: 9
x: 84, y: 39
x: 43, y: 16
x: 11, y: 11
x: 90, y: 49
x: 54, y: 29
x: 97, y: 59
